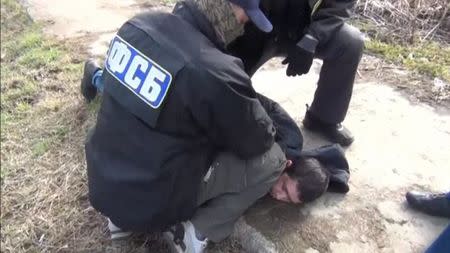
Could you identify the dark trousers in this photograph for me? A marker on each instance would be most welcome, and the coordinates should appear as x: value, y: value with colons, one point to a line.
x: 340, y: 55
x: 231, y: 186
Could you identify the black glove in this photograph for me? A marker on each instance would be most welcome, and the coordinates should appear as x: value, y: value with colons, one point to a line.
x: 299, y: 61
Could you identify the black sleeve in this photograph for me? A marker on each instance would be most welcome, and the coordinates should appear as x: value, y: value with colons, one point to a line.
x: 231, y: 115
x: 288, y: 135
x: 327, y: 18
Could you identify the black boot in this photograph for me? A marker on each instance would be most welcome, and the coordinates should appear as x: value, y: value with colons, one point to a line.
x: 429, y: 203
x: 88, y: 90
x: 336, y: 133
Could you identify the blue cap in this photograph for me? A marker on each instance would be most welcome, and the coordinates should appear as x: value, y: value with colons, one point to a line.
x: 251, y: 8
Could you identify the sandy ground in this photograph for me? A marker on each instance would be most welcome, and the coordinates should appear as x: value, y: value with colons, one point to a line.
x: 400, y: 145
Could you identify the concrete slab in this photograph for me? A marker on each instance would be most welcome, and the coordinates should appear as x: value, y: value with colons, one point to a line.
x: 399, y: 146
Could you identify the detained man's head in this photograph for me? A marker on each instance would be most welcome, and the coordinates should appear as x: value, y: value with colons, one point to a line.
x: 302, y: 182
x: 228, y: 17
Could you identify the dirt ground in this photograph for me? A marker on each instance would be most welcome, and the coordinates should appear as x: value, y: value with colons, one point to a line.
x: 390, y: 105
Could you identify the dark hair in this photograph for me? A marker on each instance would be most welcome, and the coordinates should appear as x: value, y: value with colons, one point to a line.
x: 311, y: 176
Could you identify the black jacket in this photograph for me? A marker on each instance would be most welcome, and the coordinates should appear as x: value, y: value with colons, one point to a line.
x: 326, y: 18
x: 288, y: 135
x: 172, y: 100
x: 319, y: 19
x: 304, y: 23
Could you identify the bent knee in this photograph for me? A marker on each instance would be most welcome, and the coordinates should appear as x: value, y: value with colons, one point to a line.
x: 353, y: 39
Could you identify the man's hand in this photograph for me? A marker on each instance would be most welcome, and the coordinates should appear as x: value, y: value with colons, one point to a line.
x: 299, y: 61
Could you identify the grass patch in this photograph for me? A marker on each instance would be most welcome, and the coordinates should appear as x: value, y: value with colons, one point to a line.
x: 41, y: 148
x: 430, y: 59
x: 43, y: 125
x: 24, y: 91
x: 39, y: 56
x: 55, y: 137
x: 166, y: 2
x: 30, y: 49
x: 4, y: 118
x: 13, y: 16
x: 94, y: 106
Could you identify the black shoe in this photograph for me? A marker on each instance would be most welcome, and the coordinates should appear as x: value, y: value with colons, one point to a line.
x: 336, y: 133
x: 87, y: 88
x: 429, y: 203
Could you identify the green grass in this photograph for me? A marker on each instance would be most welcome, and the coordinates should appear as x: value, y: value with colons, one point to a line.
x: 429, y: 58
x: 32, y: 89
x: 25, y: 54
x: 41, y: 147
x: 43, y: 125
x: 94, y: 106
x: 169, y: 1
x: 13, y: 16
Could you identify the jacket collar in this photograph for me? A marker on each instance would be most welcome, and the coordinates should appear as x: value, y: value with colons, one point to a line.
x: 191, y: 14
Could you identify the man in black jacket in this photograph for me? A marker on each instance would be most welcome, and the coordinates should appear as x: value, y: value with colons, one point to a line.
x: 303, y: 30
x: 305, y: 177
x: 156, y: 155
x: 174, y: 108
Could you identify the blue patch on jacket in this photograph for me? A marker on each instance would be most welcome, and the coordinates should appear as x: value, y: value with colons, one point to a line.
x: 140, y: 74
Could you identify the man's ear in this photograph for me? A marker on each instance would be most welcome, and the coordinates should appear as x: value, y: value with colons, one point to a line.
x: 289, y: 163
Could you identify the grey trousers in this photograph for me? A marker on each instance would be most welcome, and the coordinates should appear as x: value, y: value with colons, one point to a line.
x: 340, y: 55
x: 231, y: 186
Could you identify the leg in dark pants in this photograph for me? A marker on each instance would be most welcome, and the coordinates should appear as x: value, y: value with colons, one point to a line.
x: 231, y: 186
x: 341, y: 56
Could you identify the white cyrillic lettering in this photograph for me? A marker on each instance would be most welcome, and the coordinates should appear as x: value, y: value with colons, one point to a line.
x: 151, y: 89
x: 138, y: 63
x: 119, y: 57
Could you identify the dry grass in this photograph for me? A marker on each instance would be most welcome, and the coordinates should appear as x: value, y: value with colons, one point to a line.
x: 43, y: 124
x: 413, y: 33
x: 44, y: 121
x: 406, y: 21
